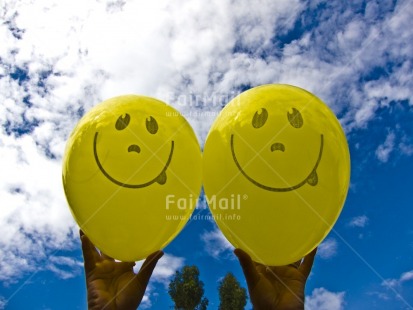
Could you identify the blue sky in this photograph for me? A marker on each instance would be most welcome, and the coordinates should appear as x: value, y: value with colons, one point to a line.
x: 60, y: 58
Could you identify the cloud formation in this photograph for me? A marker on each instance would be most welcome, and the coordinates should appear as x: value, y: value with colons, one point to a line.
x: 327, y: 249
x: 164, y: 270
x: 64, y: 267
x: 322, y: 299
x: 384, y: 150
x: 34, y: 219
x: 391, y: 283
x: 359, y: 221
x: 216, y: 244
x: 2, y: 302
x: 59, y: 58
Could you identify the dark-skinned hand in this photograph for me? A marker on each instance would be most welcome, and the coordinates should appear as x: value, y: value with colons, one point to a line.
x: 276, y: 287
x: 113, y: 285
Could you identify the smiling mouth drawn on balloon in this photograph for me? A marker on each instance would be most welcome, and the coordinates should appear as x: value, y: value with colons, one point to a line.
x: 160, y: 178
x: 311, y: 179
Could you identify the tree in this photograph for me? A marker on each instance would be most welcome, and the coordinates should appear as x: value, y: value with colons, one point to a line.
x: 232, y: 296
x: 186, y: 290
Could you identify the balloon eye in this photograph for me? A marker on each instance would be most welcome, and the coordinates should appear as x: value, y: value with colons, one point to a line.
x: 122, y: 122
x: 151, y: 125
x: 259, y: 119
x: 295, y: 118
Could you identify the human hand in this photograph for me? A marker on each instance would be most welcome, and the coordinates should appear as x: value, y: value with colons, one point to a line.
x: 277, y: 287
x: 113, y: 285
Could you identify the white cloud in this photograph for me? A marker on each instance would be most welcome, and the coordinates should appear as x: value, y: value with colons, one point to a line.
x: 359, y: 221
x: 61, y: 57
x: 2, y: 303
x: 380, y: 295
x: 405, y: 146
x: 391, y: 283
x: 64, y: 267
x: 406, y: 276
x: 35, y: 220
x: 322, y: 299
x: 166, y: 268
x: 216, y: 244
x: 406, y: 149
x: 384, y: 150
x: 163, y: 272
x: 327, y: 249
x: 187, y: 48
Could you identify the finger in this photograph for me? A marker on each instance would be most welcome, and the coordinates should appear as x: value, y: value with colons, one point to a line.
x: 297, y: 264
x: 125, y: 266
x: 248, y: 267
x: 307, y: 263
x: 90, y: 254
x: 106, y: 257
x: 260, y: 268
x: 150, y: 258
x: 148, y: 266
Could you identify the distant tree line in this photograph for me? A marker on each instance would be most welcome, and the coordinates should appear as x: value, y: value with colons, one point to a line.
x: 187, y: 291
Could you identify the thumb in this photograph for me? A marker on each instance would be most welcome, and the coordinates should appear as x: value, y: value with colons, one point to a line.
x: 308, y: 262
x: 90, y: 255
x: 148, y: 266
x: 248, y: 267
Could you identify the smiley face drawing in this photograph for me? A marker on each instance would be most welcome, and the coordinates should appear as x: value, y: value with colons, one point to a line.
x: 276, y: 172
x: 152, y: 127
x: 296, y: 121
x: 125, y: 168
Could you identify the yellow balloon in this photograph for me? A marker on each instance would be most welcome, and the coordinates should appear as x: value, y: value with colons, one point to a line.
x: 132, y: 175
x: 276, y: 172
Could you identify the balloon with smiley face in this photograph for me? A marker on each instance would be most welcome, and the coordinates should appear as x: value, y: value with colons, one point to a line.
x: 132, y: 175
x: 276, y: 172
